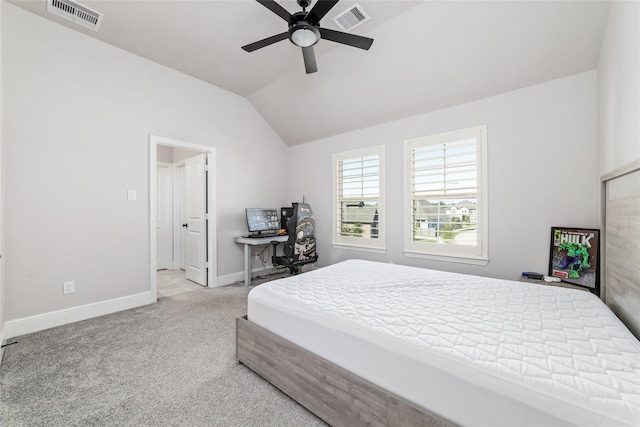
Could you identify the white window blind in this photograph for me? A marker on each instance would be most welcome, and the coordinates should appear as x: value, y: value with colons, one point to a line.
x: 358, y: 204
x: 444, y: 195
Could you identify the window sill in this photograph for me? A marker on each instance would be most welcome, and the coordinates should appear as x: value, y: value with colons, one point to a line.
x: 360, y: 248
x: 448, y: 258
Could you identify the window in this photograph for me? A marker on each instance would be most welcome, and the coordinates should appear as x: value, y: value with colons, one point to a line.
x: 446, y: 196
x: 358, y: 195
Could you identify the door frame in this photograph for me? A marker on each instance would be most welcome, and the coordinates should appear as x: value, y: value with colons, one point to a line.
x: 212, y: 264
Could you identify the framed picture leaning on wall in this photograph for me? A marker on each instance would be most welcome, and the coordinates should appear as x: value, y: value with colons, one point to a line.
x: 575, y: 256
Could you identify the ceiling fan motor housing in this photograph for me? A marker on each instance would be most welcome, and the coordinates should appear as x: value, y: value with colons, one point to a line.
x: 302, y: 32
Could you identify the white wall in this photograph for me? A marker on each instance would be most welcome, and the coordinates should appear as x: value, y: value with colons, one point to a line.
x: 181, y: 154
x: 619, y: 88
x: 542, y: 163
x: 77, y: 114
x: 164, y: 154
x: 173, y: 154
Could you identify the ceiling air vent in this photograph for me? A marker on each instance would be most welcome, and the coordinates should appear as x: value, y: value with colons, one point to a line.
x: 76, y: 12
x: 351, y: 18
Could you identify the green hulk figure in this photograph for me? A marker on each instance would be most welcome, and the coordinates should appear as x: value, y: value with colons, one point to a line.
x: 576, y: 258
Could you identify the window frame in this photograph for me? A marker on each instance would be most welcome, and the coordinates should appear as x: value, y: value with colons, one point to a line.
x: 479, y: 254
x: 377, y: 245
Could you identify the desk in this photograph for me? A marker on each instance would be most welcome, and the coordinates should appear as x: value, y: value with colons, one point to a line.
x: 254, y: 241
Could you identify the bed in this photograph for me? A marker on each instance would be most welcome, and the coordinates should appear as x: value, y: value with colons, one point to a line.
x: 365, y: 343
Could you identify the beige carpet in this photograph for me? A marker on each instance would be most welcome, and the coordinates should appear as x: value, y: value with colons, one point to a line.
x: 173, y: 282
x: 167, y: 364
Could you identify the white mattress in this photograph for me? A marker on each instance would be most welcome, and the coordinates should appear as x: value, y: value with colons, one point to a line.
x: 477, y: 351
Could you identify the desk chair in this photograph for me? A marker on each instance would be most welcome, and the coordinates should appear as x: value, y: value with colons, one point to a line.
x: 300, y: 249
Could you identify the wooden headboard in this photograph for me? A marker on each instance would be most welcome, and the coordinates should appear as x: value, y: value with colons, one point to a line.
x: 621, y: 244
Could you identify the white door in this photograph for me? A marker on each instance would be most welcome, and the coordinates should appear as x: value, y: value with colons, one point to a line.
x: 183, y: 247
x: 164, y: 241
x: 195, y: 180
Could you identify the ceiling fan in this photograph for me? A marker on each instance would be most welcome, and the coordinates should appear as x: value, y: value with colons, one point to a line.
x: 305, y: 31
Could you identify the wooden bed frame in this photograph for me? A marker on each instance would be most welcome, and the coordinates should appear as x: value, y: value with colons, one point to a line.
x: 334, y: 394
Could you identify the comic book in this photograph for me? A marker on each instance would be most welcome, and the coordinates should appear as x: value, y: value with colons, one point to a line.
x: 574, y: 255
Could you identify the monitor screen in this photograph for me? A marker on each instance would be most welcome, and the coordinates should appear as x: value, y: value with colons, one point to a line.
x: 262, y: 219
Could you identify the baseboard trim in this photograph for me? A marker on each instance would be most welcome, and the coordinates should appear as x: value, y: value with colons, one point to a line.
x: 229, y: 279
x: 3, y: 341
x: 232, y: 278
x: 40, y: 322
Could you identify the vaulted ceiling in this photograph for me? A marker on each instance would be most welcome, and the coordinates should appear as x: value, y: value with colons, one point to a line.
x: 427, y: 55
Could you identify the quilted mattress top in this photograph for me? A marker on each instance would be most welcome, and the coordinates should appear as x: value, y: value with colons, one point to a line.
x: 563, y: 344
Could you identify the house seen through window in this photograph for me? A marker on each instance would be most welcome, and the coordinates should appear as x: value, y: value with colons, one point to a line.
x: 358, y: 198
x: 446, y: 194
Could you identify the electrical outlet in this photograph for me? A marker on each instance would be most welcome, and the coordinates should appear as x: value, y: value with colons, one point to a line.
x: 69, y: 287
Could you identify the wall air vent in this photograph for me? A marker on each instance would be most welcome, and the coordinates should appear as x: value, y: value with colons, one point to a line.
x: 76, y: 12
x: 351, y: 18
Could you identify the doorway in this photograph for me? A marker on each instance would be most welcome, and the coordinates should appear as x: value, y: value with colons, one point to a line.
x: 182, y: 210
x: 181, y: 214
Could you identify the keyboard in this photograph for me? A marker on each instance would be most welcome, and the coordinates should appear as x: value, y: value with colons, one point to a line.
x: 262, y: 236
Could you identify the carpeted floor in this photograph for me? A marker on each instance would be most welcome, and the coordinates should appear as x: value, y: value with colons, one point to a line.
x: 166, y: 364
x: 172, y: 282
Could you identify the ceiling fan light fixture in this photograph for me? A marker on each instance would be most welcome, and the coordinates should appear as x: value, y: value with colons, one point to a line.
x: 303, y: 34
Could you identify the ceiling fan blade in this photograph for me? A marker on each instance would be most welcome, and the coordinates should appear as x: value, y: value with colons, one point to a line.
x: 309, y: 60
x: 276, y: 8
x: 346, y: 38
x: 321, y: 8
x: 265, y: 42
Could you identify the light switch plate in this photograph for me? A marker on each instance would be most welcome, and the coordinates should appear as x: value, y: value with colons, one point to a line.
x: 131, y: 194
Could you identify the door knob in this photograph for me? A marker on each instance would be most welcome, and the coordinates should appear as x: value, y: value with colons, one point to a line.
x: 185, y: 225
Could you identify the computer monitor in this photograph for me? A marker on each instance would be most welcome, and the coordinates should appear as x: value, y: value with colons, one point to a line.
x: 260, y: 219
